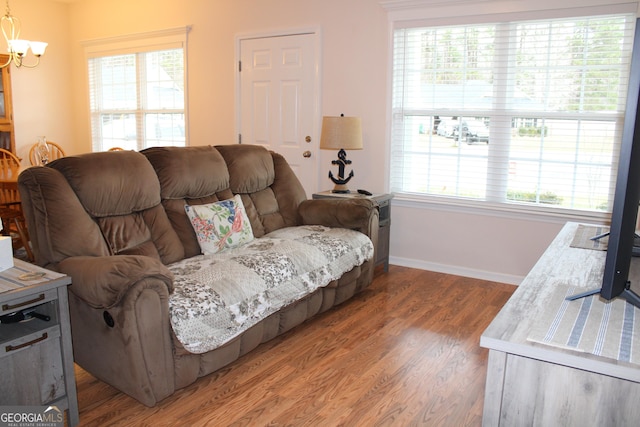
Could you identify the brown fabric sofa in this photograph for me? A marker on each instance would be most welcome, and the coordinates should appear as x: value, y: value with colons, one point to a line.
x: 113, y: 221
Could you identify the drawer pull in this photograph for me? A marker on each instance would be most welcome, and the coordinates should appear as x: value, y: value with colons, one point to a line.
x: 26, y: 344
x: 22, y: 304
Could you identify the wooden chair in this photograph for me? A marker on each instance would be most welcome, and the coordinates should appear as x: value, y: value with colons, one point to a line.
x: 13, y: 221
x: 55, y: 152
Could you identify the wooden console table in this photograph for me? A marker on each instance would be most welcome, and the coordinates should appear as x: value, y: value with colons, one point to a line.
x: 533, y: 384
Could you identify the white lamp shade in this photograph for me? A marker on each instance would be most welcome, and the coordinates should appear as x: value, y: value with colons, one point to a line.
x: 341, y: 133
x: 38, y: 48
x: 19, y: 46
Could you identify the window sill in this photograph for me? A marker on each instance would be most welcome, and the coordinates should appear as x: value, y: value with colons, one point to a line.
x: 506, y: 210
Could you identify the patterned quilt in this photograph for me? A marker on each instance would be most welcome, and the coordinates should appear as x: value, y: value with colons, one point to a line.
x: 217, y: 297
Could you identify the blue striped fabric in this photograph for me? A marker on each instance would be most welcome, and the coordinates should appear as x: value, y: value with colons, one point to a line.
x: 580, y: 323
x: 590, y: 325
x: 626, y: 337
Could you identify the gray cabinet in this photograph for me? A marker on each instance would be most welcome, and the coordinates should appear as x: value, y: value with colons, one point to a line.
x: 36, y: 358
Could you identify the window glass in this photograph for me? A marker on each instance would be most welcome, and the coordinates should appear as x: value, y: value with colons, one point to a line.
x: 525, y: 113
x: 137, y: 100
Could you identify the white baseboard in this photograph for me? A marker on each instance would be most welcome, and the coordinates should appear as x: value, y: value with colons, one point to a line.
x: 458, y: 271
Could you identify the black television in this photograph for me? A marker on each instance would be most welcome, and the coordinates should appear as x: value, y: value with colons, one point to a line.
x: 622, y: 234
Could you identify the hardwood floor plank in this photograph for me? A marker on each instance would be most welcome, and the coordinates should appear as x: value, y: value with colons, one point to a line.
x: 403, y: 352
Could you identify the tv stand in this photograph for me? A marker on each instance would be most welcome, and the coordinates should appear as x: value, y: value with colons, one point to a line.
x: 532, y: 383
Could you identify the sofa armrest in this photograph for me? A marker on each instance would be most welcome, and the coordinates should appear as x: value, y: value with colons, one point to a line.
x: 355, y: 214
x: 102, y: 281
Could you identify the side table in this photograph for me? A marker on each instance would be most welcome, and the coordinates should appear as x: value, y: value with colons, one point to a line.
x: 384, y: 202
x: 36, y: 356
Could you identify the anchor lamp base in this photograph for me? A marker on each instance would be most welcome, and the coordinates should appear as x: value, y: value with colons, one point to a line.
x: 341, y: 188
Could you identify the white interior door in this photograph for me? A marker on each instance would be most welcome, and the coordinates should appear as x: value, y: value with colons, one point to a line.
x: 279, y: 100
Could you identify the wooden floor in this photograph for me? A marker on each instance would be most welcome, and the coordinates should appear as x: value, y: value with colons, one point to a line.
x: 403, y: 352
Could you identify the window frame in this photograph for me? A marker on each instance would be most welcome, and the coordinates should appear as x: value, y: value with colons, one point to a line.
x: 490, y: 203
x: 137, y: 44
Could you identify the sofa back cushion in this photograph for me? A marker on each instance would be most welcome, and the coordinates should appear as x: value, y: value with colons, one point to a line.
x: 59, y: 226
x: 269, y: 190
x: 119, y: 191
x: 188, y: 176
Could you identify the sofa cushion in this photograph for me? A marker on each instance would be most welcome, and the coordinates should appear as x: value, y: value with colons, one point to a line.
x: 188, y: 175
x: 250, y: 167
x: 270, y: 190
x: 102, y: 182
x: 63, y: 228
x: 218, y: 297
x: 220, y: 225
x: 130, y: 217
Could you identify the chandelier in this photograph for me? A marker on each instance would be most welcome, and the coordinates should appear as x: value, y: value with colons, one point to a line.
x: 17, y: 47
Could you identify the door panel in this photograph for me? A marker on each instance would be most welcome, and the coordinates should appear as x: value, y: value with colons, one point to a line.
x: 260, y: 106
x: 278, y: 100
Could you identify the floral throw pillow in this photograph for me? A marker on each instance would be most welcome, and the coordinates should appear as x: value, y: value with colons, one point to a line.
x: 220, y: 225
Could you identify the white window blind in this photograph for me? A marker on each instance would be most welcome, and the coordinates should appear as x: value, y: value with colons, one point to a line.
x: 525, y: 113
x: 137, y: 89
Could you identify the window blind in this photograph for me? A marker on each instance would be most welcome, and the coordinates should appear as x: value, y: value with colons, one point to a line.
x: 137, y: 90
x: 525, y: 113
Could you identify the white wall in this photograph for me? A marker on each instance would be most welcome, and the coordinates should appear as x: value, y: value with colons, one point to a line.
x: 354, y: 37
x: 473, y: 243
x: 52, y: 100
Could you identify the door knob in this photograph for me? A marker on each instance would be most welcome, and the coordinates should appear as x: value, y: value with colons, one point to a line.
x: 306, y: 154
x: 308, y: 138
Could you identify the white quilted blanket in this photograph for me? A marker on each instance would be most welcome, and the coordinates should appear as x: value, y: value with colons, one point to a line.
x: 217, y: 297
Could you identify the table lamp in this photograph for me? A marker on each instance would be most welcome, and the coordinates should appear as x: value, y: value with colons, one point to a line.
x: 341, y: 133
